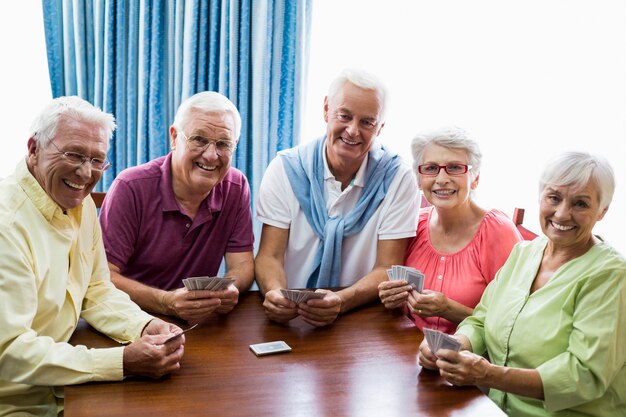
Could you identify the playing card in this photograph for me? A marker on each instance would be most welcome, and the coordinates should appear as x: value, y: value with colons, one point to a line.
x: 438, y: 340
x: 298, y: 296
x: 207, y: 283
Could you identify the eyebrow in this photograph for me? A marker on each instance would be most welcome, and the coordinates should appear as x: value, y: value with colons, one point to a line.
x: 552, y: 190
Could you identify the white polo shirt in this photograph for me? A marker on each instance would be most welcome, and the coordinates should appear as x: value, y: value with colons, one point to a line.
x: 395, y: 218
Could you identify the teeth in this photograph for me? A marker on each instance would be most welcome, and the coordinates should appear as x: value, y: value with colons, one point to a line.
x: 206, y: 167
x: 443, y: 192
x: 74, y: 185
x: 561, y: 227
x: 349, y: 142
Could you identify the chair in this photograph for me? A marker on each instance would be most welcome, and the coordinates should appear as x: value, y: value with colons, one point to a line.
x: 518, y: 219
x: 98, y: 198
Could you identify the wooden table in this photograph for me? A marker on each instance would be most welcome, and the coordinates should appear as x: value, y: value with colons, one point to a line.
x: 363, y: 365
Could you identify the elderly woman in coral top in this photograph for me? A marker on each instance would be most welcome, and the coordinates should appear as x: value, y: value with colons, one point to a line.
x: 553, y: 322
x: 459, y: 245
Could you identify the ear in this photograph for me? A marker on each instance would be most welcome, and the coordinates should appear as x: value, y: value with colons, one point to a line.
x: 601, y: 216
x: 475, y: 182
x: 326, y: 109
x: 380, y: 128
x: 33, y: 147
x: 173, y: 136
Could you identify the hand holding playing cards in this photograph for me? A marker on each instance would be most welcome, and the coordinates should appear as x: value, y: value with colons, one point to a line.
x: 426, y: 358
x: 322, y: 311
x: 192, y: 306
x: 228, y: 299
x: 428, y: 303
x: 279, y: 308
x: 463, y: 368
x: 150, y: 355
x: 394, y: 294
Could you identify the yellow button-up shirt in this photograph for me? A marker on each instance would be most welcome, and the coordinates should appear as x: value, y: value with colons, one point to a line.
x: 53, y: 270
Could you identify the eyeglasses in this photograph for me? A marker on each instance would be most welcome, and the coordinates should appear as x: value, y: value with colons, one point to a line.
x: 78, y: 159
x: 199, y: 144
x: 452, y: 169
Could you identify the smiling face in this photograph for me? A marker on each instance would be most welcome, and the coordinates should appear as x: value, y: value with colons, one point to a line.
x: 568, y: 215
x: 444, y: 190
x: 352, y: 116
x: 65, y: 182
x: 199, y: 172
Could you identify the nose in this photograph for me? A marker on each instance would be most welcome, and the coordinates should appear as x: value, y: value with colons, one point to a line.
x: 353, y: 127
x: 211, y: 150
x: 84, y: 170
x: 562, y: 211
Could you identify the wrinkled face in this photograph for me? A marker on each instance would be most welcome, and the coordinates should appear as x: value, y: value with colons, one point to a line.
x: 195, y: 168
x: 352, y: 118
x: 66, y: 182
x: 568, y: 215
x: 444, y: 190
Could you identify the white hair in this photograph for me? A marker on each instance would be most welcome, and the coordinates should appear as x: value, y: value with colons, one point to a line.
x: 208, y: 101
x: 362, y: 80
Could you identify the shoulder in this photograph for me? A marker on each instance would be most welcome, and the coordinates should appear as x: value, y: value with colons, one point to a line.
x: 151, y: 169
x: 236, y: 177
x: 497, y: 220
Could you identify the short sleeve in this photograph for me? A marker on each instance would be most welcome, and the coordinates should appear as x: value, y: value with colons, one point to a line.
x: 498, y: 240
x: 274, y: 193
x: 119, y: 221
x: 399, y: 217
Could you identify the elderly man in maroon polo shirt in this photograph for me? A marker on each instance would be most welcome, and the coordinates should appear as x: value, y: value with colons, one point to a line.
x: 179, y: 215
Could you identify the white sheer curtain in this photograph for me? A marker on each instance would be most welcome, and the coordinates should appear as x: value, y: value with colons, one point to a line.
x: 528, y: 78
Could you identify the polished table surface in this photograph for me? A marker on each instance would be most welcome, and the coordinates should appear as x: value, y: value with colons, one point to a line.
x: 363, y: 365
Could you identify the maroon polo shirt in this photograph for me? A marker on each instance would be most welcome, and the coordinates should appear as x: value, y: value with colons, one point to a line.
x: 149, y: 238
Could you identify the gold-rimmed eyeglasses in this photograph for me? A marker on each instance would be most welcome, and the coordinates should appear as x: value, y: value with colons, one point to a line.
x: 78, y: 159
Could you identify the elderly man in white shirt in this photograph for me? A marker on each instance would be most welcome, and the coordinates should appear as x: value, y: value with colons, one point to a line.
x: 337, y: 212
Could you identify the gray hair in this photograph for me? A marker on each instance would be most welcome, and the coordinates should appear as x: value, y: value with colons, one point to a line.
x: 44, y: 127
x: 576, y: 169
x: 208, y: 101
x: 451, y: 138
x: 362, y: 80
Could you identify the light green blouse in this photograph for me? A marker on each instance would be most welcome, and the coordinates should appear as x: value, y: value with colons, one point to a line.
x: 573, y: 331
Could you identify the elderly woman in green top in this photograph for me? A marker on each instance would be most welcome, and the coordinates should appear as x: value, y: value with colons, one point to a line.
x: 553, y: 322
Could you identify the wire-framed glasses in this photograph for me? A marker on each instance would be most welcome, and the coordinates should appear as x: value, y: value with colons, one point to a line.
x: 78, y: 159
x: 199, y: 144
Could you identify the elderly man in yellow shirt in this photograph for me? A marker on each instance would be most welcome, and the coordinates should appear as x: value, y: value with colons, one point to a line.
x: 53, y: 270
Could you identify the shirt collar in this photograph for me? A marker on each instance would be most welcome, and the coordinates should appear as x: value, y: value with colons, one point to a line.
x: 211, y: 204
x: 42, y: 201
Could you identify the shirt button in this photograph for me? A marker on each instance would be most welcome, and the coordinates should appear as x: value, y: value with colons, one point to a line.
x: 187, y: 225
x: 440, y: 277
x: 443, y: 258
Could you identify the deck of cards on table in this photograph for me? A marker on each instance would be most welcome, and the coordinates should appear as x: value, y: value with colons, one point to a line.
x: 439, y: 340
x: 411, y: 275
x: 299, y: 296
x: 207, y: 283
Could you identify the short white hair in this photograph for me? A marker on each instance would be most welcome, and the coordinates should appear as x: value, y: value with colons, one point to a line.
x: 208, y: 101
x: 44, y: 127
x: 361, y: 79
x: 576, y: 169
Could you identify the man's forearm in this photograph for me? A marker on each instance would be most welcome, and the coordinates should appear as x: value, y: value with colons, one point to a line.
x: 148, y: 298
x: 270, y: 274
x: 363, y: 291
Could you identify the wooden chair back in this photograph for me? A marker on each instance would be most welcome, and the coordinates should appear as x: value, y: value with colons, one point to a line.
x: 98, y: 197
x: 518, y: 219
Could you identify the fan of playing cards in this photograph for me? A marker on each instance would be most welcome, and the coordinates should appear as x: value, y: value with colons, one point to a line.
x: 207, y: 283
x: 411, y: 275
x: 439, y: 340
x: 298, y: 296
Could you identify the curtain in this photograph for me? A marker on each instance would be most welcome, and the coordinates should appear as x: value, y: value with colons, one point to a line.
x: 138, y: 59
